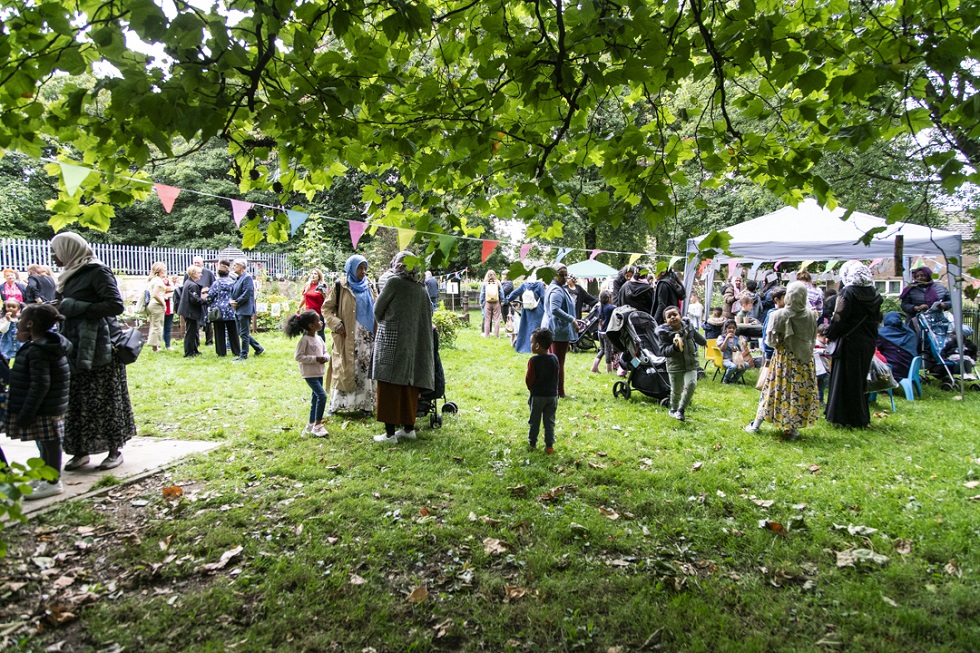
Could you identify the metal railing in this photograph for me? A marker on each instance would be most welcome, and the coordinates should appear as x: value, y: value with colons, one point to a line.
x: 17, y: 254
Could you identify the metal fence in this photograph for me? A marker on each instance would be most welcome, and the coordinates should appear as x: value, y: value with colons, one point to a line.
x: 17, y: 254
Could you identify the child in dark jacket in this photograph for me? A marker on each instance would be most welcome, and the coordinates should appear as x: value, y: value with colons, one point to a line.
x: 38, y: 396
x: 542, y: 382
x: 606, y: 308
x: 951, y: 350
x: 678, y: 340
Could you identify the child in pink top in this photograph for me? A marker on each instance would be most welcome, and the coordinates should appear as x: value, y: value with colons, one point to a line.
x: 311, y: 354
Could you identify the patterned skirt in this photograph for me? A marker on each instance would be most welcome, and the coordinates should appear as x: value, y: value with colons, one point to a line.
x: 789, y: 398
x: 44, y: 429
x: 100, y: 416
x: 363, y: 395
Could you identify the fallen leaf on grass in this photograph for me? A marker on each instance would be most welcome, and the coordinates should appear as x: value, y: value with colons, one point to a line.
x: 424, y: 512
x: 903, y: 546
x: 418, y: 594
x: 971, y: 484
x: 596, y: 465
x: 976, y: 498
x: 356, y: 580
x: 165, y: 543
x: 333, y: 540
x: 889, y: 601
x: 764, y: 503
x: 517, y: 490
x: 443, y: 629
x: 63, y: 582
x: 855, y: 557
x: 814, y: 469
x: 57, y: 614
x: 513, y: 592
x: 494, y: 547
x: 856, y: 530
x: 774, y: 526
x: 473, y: 516
x: 953, y: 569
x: 608, y: 513
x: 601, y: 454
x: 697, y: 466
x: 173, y: 492
x: 880, y: 415
x: 459, y: 460
x: 578, y: 529
x: 226, y: 557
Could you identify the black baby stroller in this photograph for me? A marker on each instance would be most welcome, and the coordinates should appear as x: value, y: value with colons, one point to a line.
x: 632, y: 334
x: 429, y: 399
x: 937, y: 329
x: 588, y: 338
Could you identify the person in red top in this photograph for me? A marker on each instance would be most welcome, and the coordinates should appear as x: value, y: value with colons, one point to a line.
x: 313, y: 296
x: 11, y: 288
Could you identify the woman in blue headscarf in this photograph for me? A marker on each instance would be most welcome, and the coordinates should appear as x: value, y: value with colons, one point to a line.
x: 349, y: 314
x: 897, y: 343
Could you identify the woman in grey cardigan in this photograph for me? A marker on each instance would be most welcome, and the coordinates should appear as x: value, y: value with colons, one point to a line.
x: 403, y: 363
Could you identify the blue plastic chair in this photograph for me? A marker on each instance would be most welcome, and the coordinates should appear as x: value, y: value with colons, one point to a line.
x: 912, y: 381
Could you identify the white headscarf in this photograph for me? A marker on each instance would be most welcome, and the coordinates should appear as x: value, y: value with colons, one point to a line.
x: 794, y: 324
x: 74, y: 253
x: 856, y: 273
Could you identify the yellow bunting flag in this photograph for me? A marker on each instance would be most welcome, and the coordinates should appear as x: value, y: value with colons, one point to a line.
x: 405, y: 237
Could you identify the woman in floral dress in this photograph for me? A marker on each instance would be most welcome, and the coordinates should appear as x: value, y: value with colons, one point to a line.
x: 349, y: 314
x: 789, y: 397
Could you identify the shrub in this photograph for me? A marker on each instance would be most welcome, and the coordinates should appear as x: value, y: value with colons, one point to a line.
x: 447, y: 324
x: 265, y: 320
x: 14, y: 480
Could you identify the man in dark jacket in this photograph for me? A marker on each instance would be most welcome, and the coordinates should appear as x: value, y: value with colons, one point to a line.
x: 205, y: 282
x: 192, y: 305
x: 243, y: 301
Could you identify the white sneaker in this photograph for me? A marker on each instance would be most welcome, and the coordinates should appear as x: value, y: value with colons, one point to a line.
x: 408, y: 435
x: 308, y: 428
x: 384, y: 439
x: 318, y: 431
x: 752, y: 427
x: 43, y: 490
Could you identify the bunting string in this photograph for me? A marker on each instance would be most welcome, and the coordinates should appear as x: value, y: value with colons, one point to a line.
x: 74, y: 176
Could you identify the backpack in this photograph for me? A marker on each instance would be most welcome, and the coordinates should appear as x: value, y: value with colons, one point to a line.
x: 493, y: 293
x: 143, y: 301
x: 528, y: 300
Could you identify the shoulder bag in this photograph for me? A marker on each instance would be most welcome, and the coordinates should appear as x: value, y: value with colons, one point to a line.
x: 127, y: 342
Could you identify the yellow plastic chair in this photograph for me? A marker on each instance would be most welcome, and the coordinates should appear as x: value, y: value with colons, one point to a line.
x: 712, y: 354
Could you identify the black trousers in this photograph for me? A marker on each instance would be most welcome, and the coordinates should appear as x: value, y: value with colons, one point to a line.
x: 208, y: 332
x: 192, y: 339
x: 227, y: 328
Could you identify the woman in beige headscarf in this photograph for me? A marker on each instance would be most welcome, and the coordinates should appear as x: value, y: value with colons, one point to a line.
x: 100, y: 415
x: 789, y: 397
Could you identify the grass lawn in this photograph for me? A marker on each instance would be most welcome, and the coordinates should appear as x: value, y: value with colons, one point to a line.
x: 639, y: 534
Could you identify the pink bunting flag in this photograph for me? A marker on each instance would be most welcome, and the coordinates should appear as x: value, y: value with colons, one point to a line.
x: 356, y: 231
x: 731, y: 268
x: 595, y: 253
x: 168, y: 195
x: 488, y: 247
x: 239, y: 209
x: 776, y: 266
x: 525, y: 248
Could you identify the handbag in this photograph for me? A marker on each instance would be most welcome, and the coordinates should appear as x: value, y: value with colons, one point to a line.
x: 214, y: 314
x: 763, y: 375
x: 127, y: 342
x: 834, y: 345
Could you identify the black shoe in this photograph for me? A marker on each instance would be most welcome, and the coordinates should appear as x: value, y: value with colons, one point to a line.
x: 259, y: 352
x: 238, y: 359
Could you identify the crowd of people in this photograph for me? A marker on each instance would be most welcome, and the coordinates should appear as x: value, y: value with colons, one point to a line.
x: 383, y: 348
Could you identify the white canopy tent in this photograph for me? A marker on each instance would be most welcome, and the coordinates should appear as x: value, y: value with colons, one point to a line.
x: 811, y: 232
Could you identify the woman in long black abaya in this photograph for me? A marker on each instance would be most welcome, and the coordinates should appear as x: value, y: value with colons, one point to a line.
x: 855, y: 326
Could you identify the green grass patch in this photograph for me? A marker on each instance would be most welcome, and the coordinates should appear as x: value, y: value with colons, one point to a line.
x: 639, y: 531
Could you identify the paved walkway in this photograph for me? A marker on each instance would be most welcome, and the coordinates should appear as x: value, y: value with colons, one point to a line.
x: 141, y: 457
